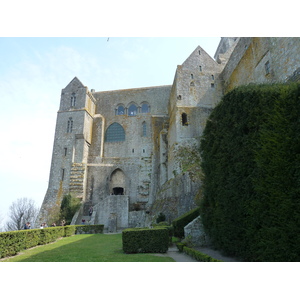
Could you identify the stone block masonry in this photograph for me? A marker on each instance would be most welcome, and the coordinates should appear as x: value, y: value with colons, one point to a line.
x: 118, y: 150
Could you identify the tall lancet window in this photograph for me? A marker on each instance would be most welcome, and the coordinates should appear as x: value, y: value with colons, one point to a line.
x: 73, y: 100
x: 144, y: 125
x: 70, y: 125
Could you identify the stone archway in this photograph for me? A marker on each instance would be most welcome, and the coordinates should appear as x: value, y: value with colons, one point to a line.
x: 117, y: 183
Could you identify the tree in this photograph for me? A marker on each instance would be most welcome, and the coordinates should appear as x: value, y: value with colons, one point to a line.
x: 21, y: 211
x: 1, y: 220
x: 68, y: 208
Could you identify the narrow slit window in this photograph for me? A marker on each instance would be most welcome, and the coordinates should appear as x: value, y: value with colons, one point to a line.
x: 144, y: 127
x: 192, y: 76
x: 212, y: 77
x: 62, y: 174
x: 65, y: 151
x: 267, y: 67
x: 200, y: 68
x: 73, y: 100
x: 184, y: 119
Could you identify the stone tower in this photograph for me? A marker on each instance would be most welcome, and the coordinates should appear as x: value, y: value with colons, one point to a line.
x: 71, y: 145
x: 194, y: 93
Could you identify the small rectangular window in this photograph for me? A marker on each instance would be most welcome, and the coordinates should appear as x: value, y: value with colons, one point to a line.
x: 212, y: 85
x: 65, y: 151
x: 184, y: 119
x: 132, y: 150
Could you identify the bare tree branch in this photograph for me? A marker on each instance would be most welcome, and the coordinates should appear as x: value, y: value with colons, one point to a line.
x: 21, y: 211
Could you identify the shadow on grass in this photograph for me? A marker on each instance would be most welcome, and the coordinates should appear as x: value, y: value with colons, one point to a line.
x: 86, y: 248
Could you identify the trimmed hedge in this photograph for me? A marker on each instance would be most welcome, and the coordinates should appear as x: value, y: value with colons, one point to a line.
x: 199, y: 256
x: 70, y: 230
x: 250, y: 159
x: 182, y: 221
x: 12, y: 242
x: 89, y: 229
x: 145, y: 240
x: 170, y: 229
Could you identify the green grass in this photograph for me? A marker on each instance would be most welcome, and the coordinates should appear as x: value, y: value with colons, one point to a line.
x: 85, y: 248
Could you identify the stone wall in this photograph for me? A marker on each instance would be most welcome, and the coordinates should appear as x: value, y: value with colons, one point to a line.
x: 112, y: 211
x: 176, y: 197
x: 261, y: 60
x: 194, y: 233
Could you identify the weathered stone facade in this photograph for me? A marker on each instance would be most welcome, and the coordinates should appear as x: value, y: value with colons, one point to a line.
x: 117, y: 150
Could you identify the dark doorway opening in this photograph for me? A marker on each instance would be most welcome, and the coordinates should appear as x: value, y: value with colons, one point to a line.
x: 118, y: 191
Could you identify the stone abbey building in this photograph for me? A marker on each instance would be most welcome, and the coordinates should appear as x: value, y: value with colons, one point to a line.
x: 117, y: 150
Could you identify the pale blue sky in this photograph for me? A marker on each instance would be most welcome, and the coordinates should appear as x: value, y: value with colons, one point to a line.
x: 31, y: 78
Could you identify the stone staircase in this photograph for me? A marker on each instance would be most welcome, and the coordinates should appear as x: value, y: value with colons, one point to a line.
x: 77, y: 179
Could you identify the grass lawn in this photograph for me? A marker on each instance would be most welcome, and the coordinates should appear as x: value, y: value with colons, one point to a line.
x: 85, y: 248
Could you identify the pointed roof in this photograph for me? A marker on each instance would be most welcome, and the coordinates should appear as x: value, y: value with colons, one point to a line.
x: 199, y: 51
x: 75, y: 81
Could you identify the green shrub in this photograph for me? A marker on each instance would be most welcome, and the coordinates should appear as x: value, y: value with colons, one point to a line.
x: 69, y: 230
x: 145, y: 240
x: 161, y: 218
x: 51, y: 234
x: 199, y: 256
x: 250, y: 159
x: 12, y: 242
x: 180, y: 246
x: 68, y: 208
x: 182, y: 221
x: 170, y: 229
x: 89, y: 229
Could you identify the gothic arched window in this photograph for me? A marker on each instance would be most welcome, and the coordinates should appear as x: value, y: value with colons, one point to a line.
x: 70, y: 125
x: 145, y: 108
x: 132, y: 110
x: 115, y: 133
x: 120, y: 110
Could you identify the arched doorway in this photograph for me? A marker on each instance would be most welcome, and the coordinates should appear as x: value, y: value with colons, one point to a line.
x: 117, y: 182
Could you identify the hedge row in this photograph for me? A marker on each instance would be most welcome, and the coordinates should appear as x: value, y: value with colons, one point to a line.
x: 145, y: 240
x: 251, y: 163
x: 12, y: 242
x: 199, y: 256
x: 182, y: 221
x: 89, y: 229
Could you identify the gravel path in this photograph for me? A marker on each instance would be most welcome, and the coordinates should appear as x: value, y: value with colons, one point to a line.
x: 183, y: 257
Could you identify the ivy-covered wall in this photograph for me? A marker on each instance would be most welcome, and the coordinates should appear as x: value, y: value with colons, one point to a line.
x: 251, y: 163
